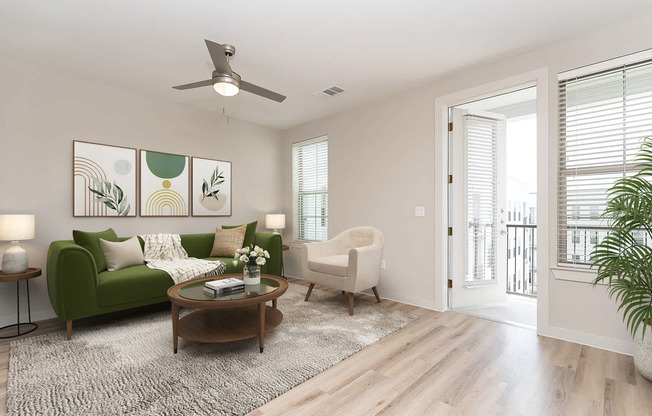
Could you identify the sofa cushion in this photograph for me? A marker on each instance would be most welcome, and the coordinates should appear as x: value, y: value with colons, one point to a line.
x: 250, y: 235
x: 334, y: 265
x: 227, y: 241
x: 198, y: 245
x: 122, y: 254
x: 91, y: 242
x: 131, y: 284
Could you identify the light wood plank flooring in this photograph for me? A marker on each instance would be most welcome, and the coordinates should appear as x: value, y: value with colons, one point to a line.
x: 453, y: 364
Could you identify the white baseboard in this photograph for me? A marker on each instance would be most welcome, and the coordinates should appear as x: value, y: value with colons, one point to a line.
x: 609, y: 344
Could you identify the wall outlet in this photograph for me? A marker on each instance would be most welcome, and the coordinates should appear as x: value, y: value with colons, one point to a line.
x: 419, y: 211
x: 382, y: 264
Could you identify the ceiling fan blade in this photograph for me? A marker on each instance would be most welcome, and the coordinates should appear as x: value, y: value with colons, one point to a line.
x: 218, y: 56
x: 195, y: 85
x: 255, y: 89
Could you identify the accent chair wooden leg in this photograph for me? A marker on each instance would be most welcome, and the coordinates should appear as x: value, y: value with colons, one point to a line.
x: 351, y: 303
x: 69, y: 329
x: 309, y: 291
x: 376, y: 293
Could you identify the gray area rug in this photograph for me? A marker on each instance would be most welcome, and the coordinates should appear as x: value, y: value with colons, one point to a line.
x: 127, y: 366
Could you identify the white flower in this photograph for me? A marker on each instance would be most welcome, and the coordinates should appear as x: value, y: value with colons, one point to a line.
x: 235, y: 262
x: 236, y: 255
x: 266, y: 253
x: 245, y: 250
x: 244, y: 259
x: 260, y: 261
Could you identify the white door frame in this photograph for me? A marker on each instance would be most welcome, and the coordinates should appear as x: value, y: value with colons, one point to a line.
x: 545, y: 227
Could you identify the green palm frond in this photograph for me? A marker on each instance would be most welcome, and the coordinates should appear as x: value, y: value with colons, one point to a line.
x: 623, y: 262
x: 111, y: 195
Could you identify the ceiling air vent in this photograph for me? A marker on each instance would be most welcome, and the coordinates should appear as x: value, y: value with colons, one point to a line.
x: 330, y: 92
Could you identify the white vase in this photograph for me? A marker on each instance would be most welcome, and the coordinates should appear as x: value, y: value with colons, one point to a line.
x: 643, y: 352
x: 251, y: 274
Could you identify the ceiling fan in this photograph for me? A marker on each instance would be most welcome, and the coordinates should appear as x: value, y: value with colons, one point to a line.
x: 224, y: 80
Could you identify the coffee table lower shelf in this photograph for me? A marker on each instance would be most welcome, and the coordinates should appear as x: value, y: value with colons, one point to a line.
x: 227, y: 325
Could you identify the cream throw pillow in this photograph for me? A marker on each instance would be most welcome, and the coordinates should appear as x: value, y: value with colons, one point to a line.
x: 227, y: 241
x: 122, y: 254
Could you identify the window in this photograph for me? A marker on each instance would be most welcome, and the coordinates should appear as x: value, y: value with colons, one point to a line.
x: 603, y: 116
x: 310, y: 189
x: 594, y: 237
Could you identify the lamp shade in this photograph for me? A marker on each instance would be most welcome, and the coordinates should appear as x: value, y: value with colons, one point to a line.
x: 16, y: 227
x: 275, y: 221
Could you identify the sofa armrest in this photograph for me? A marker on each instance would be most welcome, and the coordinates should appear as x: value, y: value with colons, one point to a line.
x: 72, y: 280
x: 273, y: 243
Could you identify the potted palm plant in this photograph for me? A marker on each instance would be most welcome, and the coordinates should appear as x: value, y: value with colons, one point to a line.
x: 623, y: 262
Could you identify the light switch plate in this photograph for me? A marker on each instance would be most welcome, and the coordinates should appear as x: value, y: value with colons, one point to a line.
x: 419, y: 211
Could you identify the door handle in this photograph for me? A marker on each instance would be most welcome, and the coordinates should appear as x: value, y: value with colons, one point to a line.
x: 503, y: 232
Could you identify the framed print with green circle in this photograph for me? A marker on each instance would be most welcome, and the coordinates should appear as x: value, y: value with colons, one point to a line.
x: 164, y: 184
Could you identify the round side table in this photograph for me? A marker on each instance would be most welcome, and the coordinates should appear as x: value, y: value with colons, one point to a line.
x: 31, y: 273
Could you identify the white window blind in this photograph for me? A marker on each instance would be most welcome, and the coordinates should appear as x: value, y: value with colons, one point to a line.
x: 602, y: 119
x: 310, y: 189
x: 481, y: 167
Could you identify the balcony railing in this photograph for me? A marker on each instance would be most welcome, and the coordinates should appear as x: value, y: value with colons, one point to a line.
x: 522, y: 259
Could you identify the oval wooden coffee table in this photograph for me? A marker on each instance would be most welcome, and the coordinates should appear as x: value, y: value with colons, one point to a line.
x: 226, y: 318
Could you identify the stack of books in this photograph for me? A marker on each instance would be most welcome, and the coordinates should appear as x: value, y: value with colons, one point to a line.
x: 223, y: 287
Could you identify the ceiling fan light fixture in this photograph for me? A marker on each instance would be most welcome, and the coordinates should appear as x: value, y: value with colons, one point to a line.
x: 227, y: 85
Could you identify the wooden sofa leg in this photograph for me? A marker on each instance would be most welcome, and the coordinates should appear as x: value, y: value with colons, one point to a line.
x: 351, y: 303
x: 309, y: 291
x: 376, y: 293
x: 69, y: 329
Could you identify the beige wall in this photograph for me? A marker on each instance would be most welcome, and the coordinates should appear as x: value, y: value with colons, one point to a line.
x: 382, y: 163
x: 42, y: 113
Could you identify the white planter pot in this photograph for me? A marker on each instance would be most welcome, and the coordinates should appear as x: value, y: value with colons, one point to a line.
x: 643, y: 352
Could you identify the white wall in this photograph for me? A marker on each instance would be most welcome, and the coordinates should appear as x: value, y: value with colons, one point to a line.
x: 383, y: 160
x: 41, y: 113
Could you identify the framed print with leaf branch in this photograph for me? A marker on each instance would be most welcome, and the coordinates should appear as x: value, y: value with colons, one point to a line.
x: 211, y: 188
x: 164, y: 184
x: 104, y: 180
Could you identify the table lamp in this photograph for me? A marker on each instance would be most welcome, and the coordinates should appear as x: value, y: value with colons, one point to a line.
x: 14, y: 228
x: 275, y: 222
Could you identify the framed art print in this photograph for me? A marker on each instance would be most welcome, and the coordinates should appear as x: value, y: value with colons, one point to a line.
x: 211, y: 188
x: 164, y: 184
x: 104, y: 180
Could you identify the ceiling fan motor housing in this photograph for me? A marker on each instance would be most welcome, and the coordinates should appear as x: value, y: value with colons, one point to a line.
x: 232, y: 78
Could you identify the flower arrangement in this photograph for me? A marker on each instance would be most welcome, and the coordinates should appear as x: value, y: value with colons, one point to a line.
x: 251, y: 256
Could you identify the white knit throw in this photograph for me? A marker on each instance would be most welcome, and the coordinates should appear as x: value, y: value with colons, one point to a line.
x: 165, y: 252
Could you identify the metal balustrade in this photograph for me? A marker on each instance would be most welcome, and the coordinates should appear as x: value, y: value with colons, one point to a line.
x: 522, y: 259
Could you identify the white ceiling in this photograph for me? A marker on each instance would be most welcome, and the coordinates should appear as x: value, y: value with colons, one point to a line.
x: 374, y: 49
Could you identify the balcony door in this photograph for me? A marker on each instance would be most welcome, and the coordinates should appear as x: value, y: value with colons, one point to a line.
x: 478, y: 241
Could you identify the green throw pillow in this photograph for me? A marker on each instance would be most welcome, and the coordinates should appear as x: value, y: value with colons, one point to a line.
x: 250, y: 235
x: 91, y: 242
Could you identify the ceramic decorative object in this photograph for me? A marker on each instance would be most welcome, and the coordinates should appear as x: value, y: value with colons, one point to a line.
x: 643, y: 352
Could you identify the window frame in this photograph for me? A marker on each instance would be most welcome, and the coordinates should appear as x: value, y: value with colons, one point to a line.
x: 621, y: 64
x: 298, y: 193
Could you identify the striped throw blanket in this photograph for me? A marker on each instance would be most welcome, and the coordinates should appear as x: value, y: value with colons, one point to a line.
x: 165, y: 252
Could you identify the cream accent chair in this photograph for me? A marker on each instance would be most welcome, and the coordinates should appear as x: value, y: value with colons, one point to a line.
x: 349, y: 262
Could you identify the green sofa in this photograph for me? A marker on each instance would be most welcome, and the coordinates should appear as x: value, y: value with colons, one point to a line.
x: 77, y: 290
